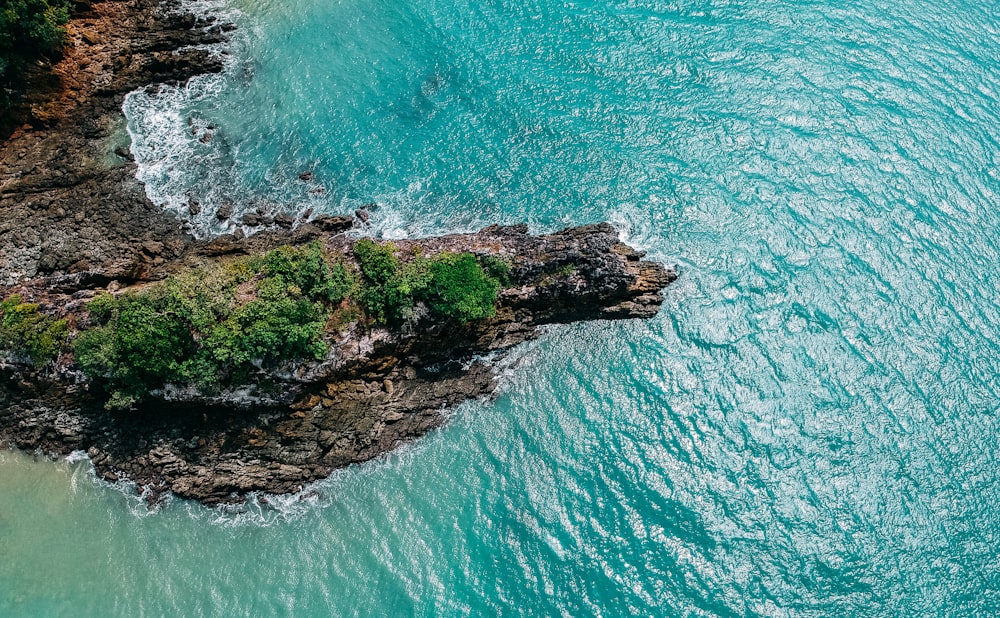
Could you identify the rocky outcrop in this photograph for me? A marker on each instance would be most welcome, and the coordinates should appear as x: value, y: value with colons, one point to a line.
x: 377, y: 387
x: 75, y: 221
x: 68, y: 194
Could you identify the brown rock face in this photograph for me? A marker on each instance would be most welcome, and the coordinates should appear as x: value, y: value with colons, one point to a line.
x: 75, y: 221
x: 377, y: 387
x: 69, y: 199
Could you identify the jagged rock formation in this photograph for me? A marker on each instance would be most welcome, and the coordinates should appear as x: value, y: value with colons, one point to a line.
x: 75, y: 221
x: 377, y: 387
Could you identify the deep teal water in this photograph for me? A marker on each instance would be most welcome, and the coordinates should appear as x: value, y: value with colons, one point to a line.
x: 809, y: 427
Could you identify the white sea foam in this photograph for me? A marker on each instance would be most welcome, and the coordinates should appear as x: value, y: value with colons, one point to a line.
x: 634, y: 227
x: 137, y: 502
x: 77, y: 456
x: 166, y: 137
x: 414, y: 212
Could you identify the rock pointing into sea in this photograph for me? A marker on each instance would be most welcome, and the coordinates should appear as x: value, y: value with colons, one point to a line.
x: 78, y: 224
x: 378, y: 386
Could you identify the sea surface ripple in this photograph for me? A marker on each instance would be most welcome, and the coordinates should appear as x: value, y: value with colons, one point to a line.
x: 808, y: 428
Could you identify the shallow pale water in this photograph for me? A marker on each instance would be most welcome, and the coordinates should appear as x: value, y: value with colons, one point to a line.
x: 809, y: 428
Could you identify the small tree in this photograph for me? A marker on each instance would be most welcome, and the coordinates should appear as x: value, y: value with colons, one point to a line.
x: 29, y: 29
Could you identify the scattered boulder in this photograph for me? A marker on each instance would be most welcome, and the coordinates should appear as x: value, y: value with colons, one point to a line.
x: 225, y: 211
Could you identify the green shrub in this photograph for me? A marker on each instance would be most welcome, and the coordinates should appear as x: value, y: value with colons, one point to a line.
x: 210, y: 328
x: 378, y: 263
x: 307, y: 269
x: 566, y: 270
x: 144, y: 342
x: 29, y: 29
x: 454, y: 285
x: 460, y: 288
x: 498, y: 268
x: 121, y: 401
x: 386, y: 292
x: 26, y: 330
x: 152, y: 336
x: 277, y: 325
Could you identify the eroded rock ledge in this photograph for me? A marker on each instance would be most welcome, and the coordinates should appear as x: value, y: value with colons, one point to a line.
x: 377, y: 387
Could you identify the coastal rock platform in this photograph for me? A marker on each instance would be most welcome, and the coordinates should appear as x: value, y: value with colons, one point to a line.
x: 377, y: 387
x: 76, y: 223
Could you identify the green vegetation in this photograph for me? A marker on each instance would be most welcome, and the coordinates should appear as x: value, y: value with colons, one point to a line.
x: 212, y: 328
x: 497, y: 268
x: 383, y: 294
x: 453, y: 285
x: 460, y: 288
x: 29, y: 29
x: 24, y: 330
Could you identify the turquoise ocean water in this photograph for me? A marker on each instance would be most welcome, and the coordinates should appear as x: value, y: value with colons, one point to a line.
x: 809, y: 427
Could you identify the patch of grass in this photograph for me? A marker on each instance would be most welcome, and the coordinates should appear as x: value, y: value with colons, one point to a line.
x: 26, y: 331
x: 344, y: 316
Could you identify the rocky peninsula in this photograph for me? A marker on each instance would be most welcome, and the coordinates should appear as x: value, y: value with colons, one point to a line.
x: 215, y: 368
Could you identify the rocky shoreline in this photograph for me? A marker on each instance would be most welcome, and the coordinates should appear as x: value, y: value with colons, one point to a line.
x: 68, y: 191
x: 78, y: 224
x: 377, y: 387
